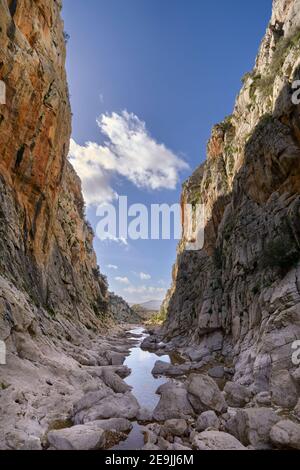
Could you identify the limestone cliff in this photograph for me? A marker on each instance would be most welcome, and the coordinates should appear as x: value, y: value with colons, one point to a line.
x: 45, y: 244
x: 121, y: 311
x: 53, y: 299
x: 240, y: 295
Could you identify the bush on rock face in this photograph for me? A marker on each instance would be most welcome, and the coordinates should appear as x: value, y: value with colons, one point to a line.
x: 282, y: 252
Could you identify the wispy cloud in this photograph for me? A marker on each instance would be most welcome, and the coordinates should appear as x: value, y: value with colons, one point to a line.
x: 122, y: 280
x: 145, y: 276
x: 112, y: 266
x: 129, y: 151
x: 112, y: 238
x: 144, y: 293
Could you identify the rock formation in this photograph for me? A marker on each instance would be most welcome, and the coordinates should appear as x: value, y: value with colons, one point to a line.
x: 121, y: 311
x: 54, y: 301
x: 233, y: 311
x: 239, y: 296
x: 46, y: 245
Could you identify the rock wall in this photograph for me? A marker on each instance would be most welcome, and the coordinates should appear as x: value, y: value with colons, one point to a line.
x: 240, y: 294
x: 121, y: 311
x: 45, y: 244
x: 54, y: 302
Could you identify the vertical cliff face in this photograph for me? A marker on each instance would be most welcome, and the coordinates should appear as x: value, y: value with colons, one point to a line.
x: 45, y: 244
x: 54, y: 301
x: 240, y: 295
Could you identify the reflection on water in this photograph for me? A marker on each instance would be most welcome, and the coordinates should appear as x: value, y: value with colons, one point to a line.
x: 144, y: 386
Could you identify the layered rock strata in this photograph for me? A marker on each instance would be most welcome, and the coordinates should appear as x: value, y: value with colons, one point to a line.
x: 239, y: 296
x: 54, y: 301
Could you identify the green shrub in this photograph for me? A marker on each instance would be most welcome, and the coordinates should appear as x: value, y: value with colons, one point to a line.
x: 4, y: 386
x: 218, y: 258
x: 281, y: 252
x: 51, y: 312
x: 59, y: 424
x: 226, y: 125
x: 285, y: 44
x: 158, y: 318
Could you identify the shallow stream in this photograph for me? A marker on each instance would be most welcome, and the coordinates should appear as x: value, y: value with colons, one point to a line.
x: 144, y: 386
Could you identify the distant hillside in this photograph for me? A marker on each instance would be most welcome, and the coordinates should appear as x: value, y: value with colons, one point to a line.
x: 147, y: 310
x: 153, y: 305
x: 120, y: 311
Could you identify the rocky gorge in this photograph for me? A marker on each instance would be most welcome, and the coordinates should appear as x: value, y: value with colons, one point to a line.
x: 234, y: 306
x: 55, y: 307
x: 223, y: 358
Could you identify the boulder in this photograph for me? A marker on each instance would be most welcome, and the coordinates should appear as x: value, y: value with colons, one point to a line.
x: 32, y: 443
x: 154, y: 427
x: 204, y: 394
x: 177, y: 446
x: 144, y: 414
x: 162, y: 443
x: 114, y: 424
x: 173, y: 402
x: 150, y: 447
x: 114, y: 382
x: 77, y: 438
x: 263, y: 399
x: 206, y: 420
x: 150, y: 343
x: 286, y: 434
x: 149, y: 436
x: 216, y: 440
x: 236, y: 395
x: 252, y: 426
x: 160, y: 368
x: 196, y: 355
x: 284, y: 389
x: 176, y: 427
x: 113, y: 405
x: 163, y: 368
x: 216, y: 372
x: 91, y: 398
x: 115, y: 358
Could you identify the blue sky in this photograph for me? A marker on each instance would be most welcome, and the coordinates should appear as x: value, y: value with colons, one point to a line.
x: 175, y: 67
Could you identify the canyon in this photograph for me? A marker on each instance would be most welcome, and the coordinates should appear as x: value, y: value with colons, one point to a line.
x: 223, y: 356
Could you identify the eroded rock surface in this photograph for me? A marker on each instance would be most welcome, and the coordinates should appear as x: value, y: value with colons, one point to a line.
x: 238, y: 297
x: 173, y: 402
x: 55, y: 309
x: 204, y: 394
x: 216, y: 440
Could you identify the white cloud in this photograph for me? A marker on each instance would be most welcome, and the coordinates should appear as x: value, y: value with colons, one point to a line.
x: 122, y: 280
x: 129, y: 151
x: 139, y: 294
x: 95, y: 181
x: 112, y: 266
x: 112, y: 238
x: 144, y: 276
